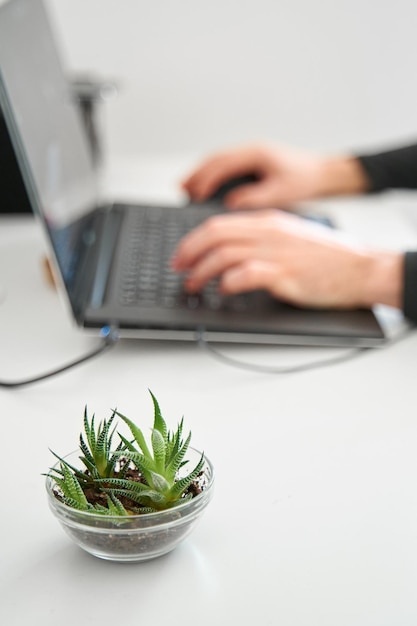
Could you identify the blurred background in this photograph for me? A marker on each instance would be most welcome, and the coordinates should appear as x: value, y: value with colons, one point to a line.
x: 194, y: 75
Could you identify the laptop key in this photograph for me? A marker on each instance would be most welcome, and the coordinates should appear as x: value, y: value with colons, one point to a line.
x: 193, y: 301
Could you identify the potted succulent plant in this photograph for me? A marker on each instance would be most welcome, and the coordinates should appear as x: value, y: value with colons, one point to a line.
x: 130, y: 500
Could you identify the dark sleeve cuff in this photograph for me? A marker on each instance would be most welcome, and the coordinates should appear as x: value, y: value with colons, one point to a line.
x: 392, y: 169
x: 410, y: 287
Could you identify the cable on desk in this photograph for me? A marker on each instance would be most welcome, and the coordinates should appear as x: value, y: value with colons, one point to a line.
x: 109, y: 341
x: 351, y: 353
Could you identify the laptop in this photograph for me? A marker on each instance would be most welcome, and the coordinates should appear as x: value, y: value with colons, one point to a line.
x: 112, y: 260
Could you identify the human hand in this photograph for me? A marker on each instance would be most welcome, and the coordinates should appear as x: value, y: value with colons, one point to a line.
x: 284, y: 177
x: 302, y: 263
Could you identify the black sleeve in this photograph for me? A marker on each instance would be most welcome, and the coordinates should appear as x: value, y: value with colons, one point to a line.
x: 392, y: 169
x: 410, y: 286
x: 397, y: 169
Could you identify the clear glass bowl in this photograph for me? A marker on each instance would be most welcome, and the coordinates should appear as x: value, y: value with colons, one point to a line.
x: 134, y: 537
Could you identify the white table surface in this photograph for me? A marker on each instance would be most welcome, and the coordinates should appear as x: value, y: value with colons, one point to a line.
x: 314, y: 518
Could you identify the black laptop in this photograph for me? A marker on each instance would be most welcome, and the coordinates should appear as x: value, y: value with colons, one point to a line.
x: 113, y: 260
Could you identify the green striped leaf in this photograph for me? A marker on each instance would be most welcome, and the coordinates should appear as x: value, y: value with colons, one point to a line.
x: 159, y: 423
x: 181, y: 485
x: 137, y: 434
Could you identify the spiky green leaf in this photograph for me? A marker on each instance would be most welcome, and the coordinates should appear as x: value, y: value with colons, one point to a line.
x: 177, y: 458
x: 159, y: 423
x: 72, y: 485
x: 181, y: 485
x: 159, y: 483
x: 125, y: 483
x: 158, y: 447
x: 141, y: 498
x: 137, y: 434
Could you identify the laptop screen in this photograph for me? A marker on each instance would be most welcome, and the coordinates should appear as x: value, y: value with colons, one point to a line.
x: 56, y: 160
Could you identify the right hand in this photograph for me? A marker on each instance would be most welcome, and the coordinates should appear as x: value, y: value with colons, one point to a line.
x: 285, y: 177
x: 302, y: 263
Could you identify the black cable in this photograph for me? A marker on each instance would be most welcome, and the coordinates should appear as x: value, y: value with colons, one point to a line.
x: 293, y: 369
x: 111, y: 338
x: 109, y: 341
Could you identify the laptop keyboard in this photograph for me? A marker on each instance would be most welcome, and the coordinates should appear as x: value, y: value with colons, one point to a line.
x: 148, y: 280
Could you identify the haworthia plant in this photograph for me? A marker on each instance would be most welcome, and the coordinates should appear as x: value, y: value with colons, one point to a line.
x: 134, y: 477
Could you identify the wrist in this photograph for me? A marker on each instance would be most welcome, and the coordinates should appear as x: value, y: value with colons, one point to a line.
x: 383, y: 279
x: 341, y: 176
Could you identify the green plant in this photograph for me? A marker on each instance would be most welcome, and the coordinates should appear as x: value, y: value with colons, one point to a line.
x: 133, y: 478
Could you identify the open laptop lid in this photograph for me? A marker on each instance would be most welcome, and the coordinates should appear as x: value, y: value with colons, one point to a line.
x: 46, y: 130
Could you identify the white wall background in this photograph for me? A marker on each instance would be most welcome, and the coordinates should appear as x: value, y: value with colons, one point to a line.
x: 196, y: 75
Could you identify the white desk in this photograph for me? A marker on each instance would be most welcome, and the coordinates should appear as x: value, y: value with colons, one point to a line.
x: 314, y: 519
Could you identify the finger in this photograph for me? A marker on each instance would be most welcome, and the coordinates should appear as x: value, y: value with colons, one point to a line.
x: 217, y: 230
x: 210, y: 178
x: 207, y: 178
x: 265, y: 193
x: 250, y: 275
x: 214, y: 264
